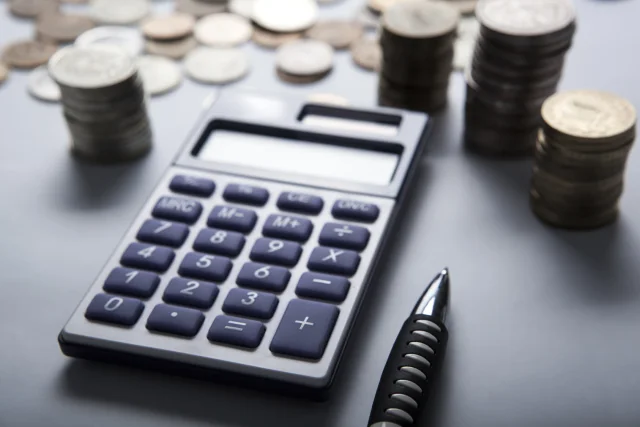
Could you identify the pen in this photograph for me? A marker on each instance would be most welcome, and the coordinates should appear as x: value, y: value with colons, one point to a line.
x: 414, y: 361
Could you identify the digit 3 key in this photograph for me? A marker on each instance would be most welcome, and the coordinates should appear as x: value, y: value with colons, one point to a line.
x: 251, y: 257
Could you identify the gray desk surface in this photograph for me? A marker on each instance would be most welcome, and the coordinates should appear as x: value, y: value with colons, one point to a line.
x: 544, y: 323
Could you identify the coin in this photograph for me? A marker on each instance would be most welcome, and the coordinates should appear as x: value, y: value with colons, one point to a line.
x: 216, y: 65
x: 42, y: 86
x: 339, y: 34
x: 328, y: 98
x: 243, y: 8
x: 285, y: 15
x: 305, y: 57
x: 128, y: 39
x: 299, y: 80
x: 58, y: 27
x: 32, y: 8
x: 465, y: 7
x: 379, y: 6
x: 272, y: 40
x: 4, y: 72
x: 176, y: 49
x: 421, y: 19
x: 200, y: 8
x: 27, y: 54
x: 366, y: 53
x: 223, y: 30
x: 119, y: 12
x: 169, y: 27
x: 159, y: 75
x: 368, y: 18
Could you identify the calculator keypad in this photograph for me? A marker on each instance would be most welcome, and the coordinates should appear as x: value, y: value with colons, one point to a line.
x: 232, y: 218
x: 263, y: 276
x: 236, y: 331
x: 344, y: 236
x: 245, y: 302
x: 177, y: 209
x: 192, y: 293
x: 219, y: 242
x: 114, y: 309
x: 335, y: 261
x: 175, y: 320
x: 274, y: 251
x: 288, y: 227
x: 326, y: 287
x: 148, y: 257
x: 135, y: 283
x: 163, y: 233
x: 206, y: 267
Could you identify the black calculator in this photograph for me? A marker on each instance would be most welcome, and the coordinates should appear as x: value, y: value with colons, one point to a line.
x: 249, y: 261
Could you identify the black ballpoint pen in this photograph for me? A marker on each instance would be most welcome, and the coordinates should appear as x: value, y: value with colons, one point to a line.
x: 414, y: 361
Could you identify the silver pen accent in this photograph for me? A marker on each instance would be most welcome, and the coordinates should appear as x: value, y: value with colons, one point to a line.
x: 435, y: 300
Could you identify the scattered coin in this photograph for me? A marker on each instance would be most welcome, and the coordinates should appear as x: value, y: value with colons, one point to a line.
x: 58, y: 27
x: 368, y: 18
x: 242, y: 7
x: 216, y: 65
x: 32, y: 8
x: 41, y: 85
x: 379, y: 6
x: 159, y: 75
x: 223, y: 29
x: 328, y: 98
x: 285, y: 15
x: 119, y: 12
x: 272, y: 40
x: 200, y: 8
x: 299, y: 80
x: 169, y: 27
x: 28, y: 54
x: 127, y: 38
x: 465, y: 7
x: 305, y: 57
x: 366, y: 53
x: 171, y: 49
x: 339, y: 34
x: 4, y: 72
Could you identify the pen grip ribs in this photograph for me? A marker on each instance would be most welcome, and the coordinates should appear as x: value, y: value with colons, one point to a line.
x: 406, y: 382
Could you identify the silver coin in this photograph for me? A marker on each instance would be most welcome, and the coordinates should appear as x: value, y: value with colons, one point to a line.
x: 216, y: 65
x: 119, y: 12
x: 223, y: 29
x: 305, y: 57
x: 42, y: 86
x: 159, y: 75
x: 527, y: 18
x: 242, y: 7
x: 91, y: 67
x: 420, y: 19
x: 129, y: 39
x: 285, y: 16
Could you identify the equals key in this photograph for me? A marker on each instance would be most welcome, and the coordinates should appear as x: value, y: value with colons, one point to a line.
x: 236, y: 331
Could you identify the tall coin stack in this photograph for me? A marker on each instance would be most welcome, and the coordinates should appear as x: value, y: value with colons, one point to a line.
x: 580, y: 158
x: 417, y: 54
x: 103, y: 102
x: 517, y: 63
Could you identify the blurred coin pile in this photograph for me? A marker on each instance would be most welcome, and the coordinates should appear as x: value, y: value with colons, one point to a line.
x: 417, y: 54
x: 103, y: 102
x: 517, y: 64
x: 580, y: 158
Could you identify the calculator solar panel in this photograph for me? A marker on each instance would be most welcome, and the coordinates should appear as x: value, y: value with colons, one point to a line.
x: 241, y: 275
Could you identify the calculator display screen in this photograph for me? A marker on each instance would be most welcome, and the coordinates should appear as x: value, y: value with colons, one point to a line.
x: 300, y: 157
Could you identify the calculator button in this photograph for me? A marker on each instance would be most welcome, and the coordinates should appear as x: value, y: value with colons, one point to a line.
x: 250, y: 303
x: 175, y: 320
x: 163, y: 233
x: 262, y: 276
x: 147, y: 257
x: 113, y: 309
x: 299, y: 202
x: 344, y: 236
x: 192, y: 185
x: 288, y: 227
x: 131, y: 282
x: 189, y: 292
x: 239, y: 193
x: 177, y: 209
x: 305, y: 329
x: 230, y: 218
x: 274, y: 251
x: 219, y: 242
x: 205, y: 267
x: 356, y: 211
x: 323, y: 286
x: 331, y: 260
x: 236, y: 331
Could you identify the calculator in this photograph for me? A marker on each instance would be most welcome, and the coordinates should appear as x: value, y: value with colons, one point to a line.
x: 249, y: 261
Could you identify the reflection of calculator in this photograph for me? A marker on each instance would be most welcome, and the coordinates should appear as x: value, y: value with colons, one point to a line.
x: 252, y: 256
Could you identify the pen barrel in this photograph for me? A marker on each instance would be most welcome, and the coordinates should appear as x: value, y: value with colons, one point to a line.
x: 414, y: 362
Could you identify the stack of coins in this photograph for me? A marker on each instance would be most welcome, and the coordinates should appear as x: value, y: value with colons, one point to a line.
x: 517, y: 64
x: 417, y: 53
x: 580, y: 158
x: 103, y: 102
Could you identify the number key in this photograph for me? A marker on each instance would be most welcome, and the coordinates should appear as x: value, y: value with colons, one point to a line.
x: 131, y: 282
x: 163, y: 233
x: 262, y: 276
x: 250, y: 303
x: 205, y: 267
x: 147, y: 257
x: 190, y: 292
x: 219, y: 242
x: 113, y: 309
x: 276, y: 252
